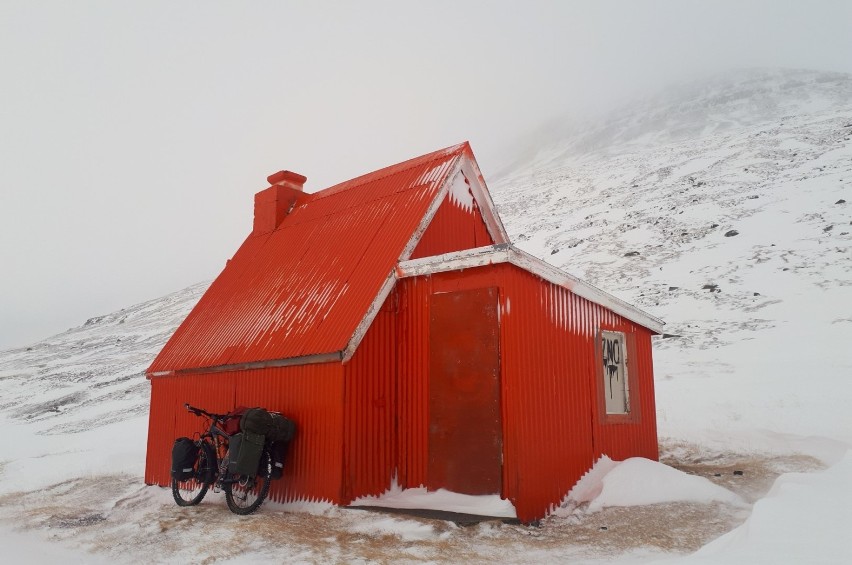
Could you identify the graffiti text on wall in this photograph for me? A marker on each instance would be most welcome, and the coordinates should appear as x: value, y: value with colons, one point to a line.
x: 611, y: 361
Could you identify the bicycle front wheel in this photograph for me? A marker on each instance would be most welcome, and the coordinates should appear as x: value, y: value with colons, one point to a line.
x: 245, y: 494
x: 191, y: 491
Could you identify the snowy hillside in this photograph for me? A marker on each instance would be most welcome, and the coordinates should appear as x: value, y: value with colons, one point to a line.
x: 727, y: 214
x: 724, y: 208
x: 93, y: 374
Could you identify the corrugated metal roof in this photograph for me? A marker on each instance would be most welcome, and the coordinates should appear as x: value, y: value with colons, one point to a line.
x: 303, y: 288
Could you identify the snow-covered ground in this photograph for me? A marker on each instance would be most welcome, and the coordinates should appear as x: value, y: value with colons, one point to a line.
x: 753, y: 378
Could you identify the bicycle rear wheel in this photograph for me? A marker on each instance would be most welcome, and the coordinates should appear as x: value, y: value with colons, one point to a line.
x: 191, y: 491
x: 245, y: 494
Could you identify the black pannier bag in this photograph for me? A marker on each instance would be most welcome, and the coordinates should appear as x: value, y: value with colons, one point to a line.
x: 184, y: 457
x: 278, y: 452
x: 256, y: 421
x: 208, y: 471
x: 282, y: 430
x: 244, y: 450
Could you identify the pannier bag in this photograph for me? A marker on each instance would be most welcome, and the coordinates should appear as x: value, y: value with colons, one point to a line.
x: 208, y: 471
x: 244, y: 450
x: 184, y: 456
x: 256, y: 421
x: 278, y: 451
x: 282, y: 430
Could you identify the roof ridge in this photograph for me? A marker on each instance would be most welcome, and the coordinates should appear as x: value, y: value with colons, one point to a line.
x: 389, y: 170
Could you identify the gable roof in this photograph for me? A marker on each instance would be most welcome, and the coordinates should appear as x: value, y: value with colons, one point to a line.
x: 308, y: 290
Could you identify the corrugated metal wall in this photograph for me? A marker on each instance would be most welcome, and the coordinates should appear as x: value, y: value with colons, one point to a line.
x: 454, y: 228
x: 370, y: 412
x: 361, y: 422
x: 312, y: 395
x: 413, y: 380
x: 635, y: 436
x: 547, y: 402
x: 168, y: 419
x: 553, y: 430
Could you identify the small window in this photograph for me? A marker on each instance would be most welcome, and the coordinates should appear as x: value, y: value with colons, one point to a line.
x: 614, y: 356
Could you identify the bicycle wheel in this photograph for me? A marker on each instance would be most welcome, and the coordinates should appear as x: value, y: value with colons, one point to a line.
x: 191, y: 491
x: 245, y: 494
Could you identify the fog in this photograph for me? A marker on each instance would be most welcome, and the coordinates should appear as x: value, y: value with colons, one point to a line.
x: 134, y: 135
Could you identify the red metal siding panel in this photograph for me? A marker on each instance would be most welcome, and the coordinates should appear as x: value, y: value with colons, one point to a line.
x: 636, y: 435
x: 412, y: 380
x: 370, y: 414
x: 169, y: 419
x: 547, y: 395
x: 161, y: 428
x: 304, y: 288
x: 552, y: 433
x: 454, y: 228
x: 312, y: 395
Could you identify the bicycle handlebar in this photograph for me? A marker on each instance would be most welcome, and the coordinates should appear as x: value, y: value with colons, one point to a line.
x: 200, y: 412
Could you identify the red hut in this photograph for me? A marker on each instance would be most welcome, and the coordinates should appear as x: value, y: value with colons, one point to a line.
x: 392, y: 319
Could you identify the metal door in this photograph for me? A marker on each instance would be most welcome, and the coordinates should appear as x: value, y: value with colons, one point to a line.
x: 465, y: 430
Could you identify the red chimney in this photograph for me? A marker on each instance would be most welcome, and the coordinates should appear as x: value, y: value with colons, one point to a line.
x: 274, y: 203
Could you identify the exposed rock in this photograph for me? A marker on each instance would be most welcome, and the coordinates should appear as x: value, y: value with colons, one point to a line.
x: 731, y: 233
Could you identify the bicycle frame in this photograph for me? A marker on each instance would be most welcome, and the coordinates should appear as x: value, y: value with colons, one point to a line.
x: 220, y: 440
x: 214, y: 448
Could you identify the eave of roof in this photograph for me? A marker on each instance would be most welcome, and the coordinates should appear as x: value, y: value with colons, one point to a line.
x: 309, y: 289
x: 506, y: 253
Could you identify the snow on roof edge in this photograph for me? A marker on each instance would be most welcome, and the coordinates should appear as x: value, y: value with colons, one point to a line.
x: 508, y: 253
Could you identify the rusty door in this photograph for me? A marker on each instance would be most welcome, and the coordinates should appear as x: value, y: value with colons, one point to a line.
x: 465, y: 430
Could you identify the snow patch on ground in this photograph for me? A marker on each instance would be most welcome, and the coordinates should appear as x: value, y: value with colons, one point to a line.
x: 638, y: 482
x: 420, y: 498
x: 805, y: 518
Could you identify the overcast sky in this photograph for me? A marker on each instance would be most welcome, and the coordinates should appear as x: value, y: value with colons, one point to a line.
x: 134, y: 135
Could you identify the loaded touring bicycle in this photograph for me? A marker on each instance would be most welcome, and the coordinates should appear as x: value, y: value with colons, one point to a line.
x: 240, y: 453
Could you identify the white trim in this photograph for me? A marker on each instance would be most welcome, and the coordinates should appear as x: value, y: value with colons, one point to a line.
x: 369, y: 316
x: 457, y: 260
x: 483, y: 198
x: 495, y: 254
x: 387, y: 286
x: 440, y: 195
x: 302, y: 360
